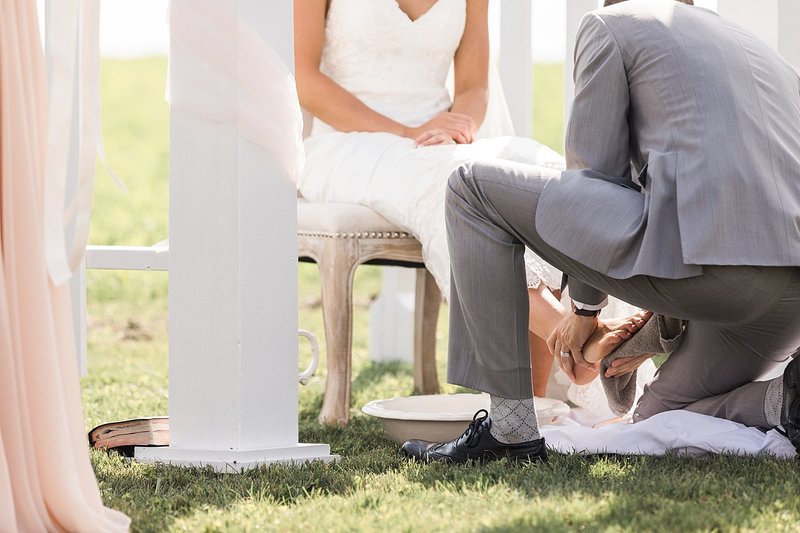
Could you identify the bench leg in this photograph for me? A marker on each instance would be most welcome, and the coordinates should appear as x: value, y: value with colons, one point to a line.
x: 337, y: 268
x: 426, y: 312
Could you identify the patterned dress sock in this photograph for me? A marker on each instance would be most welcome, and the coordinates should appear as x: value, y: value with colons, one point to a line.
x: 773, y: 401
x: 513, y: 421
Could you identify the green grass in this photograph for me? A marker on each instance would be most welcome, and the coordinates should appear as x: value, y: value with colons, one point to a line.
x: 372, y: 487
x: 548, y: 105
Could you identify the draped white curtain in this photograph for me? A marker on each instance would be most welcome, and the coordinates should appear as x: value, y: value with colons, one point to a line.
x: 46, y: 480
x: 72, y: 41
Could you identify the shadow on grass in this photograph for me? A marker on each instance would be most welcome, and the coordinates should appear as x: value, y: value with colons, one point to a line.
x: 592, y: 493
x: 373, y: 373
x: 157, y: 496
x: 667, y: 493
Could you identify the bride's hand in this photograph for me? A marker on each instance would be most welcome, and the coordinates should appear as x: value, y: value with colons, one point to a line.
x: 434, y: 137
x: 461, y: 128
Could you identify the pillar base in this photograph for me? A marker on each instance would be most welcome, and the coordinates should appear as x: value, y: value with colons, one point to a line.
x: 231, y: 461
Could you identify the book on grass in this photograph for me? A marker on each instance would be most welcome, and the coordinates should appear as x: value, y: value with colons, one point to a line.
x: 124, y: 435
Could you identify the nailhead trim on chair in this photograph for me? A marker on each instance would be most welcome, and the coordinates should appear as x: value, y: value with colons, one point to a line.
x: 358, y: 235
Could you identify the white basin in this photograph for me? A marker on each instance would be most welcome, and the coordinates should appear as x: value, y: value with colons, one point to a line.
x: 443, y: 417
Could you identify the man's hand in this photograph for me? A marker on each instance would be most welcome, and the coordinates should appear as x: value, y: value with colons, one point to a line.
x: 626, y: 365
x: 569, y: 336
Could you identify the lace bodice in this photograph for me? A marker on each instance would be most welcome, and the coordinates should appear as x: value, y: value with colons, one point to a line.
x: 396, y: 66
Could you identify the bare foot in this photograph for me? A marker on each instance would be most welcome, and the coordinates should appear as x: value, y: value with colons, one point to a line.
x: 611, y: 333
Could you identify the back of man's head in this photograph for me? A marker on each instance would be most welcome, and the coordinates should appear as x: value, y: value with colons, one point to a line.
x: 612, y: 2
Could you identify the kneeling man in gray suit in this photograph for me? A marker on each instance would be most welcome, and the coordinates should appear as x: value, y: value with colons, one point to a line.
x: 681, y: 196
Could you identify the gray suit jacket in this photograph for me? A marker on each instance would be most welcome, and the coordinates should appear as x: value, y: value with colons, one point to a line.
x: 683, y: 148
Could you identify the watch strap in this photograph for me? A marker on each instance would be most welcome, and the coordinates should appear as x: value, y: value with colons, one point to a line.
x: 586, y: 312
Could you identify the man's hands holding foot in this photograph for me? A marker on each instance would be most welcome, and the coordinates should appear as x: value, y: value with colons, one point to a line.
x: 567, y: 341
x: 579, y: 342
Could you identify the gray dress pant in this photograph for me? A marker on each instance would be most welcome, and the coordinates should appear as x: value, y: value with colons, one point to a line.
x: 742, y: 320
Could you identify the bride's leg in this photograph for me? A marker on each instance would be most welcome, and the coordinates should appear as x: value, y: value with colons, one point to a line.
x: 541, y: 365
x: 545, y: 312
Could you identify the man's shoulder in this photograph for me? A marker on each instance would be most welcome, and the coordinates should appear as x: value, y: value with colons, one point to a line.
x: 631, y: 15
x: 649, y: 23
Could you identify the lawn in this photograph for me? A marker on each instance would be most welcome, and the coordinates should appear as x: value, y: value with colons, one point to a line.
x: 372, y: 487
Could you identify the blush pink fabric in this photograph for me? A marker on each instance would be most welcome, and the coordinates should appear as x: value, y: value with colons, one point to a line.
x: 46, y: 480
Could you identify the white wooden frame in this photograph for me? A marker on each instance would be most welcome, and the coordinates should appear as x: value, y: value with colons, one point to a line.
x: 246, y: 414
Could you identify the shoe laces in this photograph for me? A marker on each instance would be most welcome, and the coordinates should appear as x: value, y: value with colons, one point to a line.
x: 474, y: 429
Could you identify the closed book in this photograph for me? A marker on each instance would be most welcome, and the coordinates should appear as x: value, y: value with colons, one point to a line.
x: 124, y: 435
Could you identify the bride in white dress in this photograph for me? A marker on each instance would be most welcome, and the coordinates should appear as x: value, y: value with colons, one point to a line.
x: 386, y: 133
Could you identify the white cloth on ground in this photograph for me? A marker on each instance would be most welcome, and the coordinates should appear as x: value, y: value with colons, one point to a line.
x: 680, y: 432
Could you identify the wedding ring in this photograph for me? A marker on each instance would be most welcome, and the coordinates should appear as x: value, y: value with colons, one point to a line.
x: 566, y: 354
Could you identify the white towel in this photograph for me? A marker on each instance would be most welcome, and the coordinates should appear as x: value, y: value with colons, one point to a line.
x: 681, y: 432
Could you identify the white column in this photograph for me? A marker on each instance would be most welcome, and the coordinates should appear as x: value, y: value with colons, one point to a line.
x: 77, y: 287
x: 391, y: 317
x: 233, y: 375
x: 516, y: 62
x: 760, y: 18
x: 773, y: 21
x: 576, y: 9
x: 788, y: 34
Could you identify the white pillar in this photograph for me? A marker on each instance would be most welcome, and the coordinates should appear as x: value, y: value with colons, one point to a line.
x: 773, y: 21
x: 516, y: 62
x: 760, y: 18
x: 77, y: 288
x: 788, y: 34
x: 233, y: 374
x: 391, y: 317
x: 576, y: 9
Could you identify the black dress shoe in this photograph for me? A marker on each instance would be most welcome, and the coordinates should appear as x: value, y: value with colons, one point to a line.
x: 790, y: 413
x: 476, y: 444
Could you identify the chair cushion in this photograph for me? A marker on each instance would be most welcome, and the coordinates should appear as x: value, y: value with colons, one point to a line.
x: 344, y: 220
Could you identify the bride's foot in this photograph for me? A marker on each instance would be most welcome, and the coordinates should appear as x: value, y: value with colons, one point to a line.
x: 611, y: 333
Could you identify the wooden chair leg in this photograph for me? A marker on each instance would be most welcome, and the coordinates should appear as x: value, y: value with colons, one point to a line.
x: 336, y: 266
x: 426, y: 313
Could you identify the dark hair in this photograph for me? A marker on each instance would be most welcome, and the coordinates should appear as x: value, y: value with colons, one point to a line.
x: 612, y: 2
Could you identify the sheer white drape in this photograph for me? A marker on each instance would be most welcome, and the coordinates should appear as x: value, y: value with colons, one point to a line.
x: 497, y: 121
x: 258, y: 92
x: 72, y: 42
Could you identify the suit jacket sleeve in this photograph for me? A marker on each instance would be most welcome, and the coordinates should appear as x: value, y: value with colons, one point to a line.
x: 597, y: 136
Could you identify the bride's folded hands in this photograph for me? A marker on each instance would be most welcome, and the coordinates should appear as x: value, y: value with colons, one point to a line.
x: 460, y: 127
x: 433, y: 138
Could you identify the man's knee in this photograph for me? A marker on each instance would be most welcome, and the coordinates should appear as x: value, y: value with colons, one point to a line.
x: 459, y: 178
x: 460, y: 187
x: 648, y: 406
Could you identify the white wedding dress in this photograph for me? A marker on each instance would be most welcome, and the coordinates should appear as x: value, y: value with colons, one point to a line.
x: 399, y: 68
